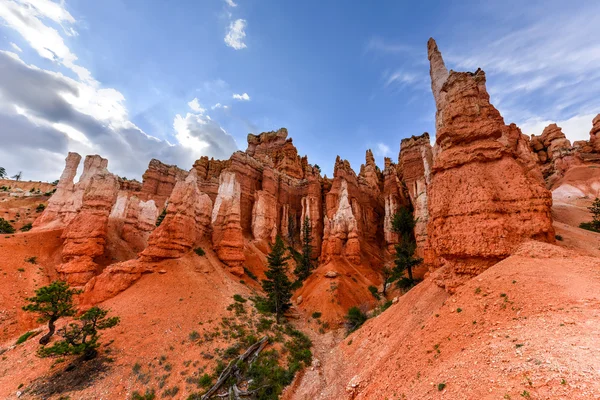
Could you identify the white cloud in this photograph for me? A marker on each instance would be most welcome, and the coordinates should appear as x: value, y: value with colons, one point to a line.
x: 25, y: 16
x: 44, y: 114
x: 201, y: 133
x: 230, y: 3
x: 382, y: 149
x: 236, y: 34
x: 17, y: 48
x: 533, y: 74
x: 195, y: 106
x: 575, y: 128
x: 243, y: 97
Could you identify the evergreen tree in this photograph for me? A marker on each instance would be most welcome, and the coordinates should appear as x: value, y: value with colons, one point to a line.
x: 51, y: 303
x: 81, y: 338
x: 305, y: 265
x: 2, y: 173
x: 388, y: 277
x: 277, y: 286
x: 405, y: 259
x: 595, y: 210
x: 292, y: 230
x: 403, y: 223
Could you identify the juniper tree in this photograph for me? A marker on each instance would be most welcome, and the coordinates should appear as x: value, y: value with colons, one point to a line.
x: 305, y: 265
x: 81, y: 337
x: 2, y: 173
x: 51, y: 303
x: 277, y: 286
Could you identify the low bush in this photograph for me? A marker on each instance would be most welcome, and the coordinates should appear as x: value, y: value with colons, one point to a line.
x: 200, y: 251
x: 26, y: 336
x: 26, y: 228
x: 6, y: 227
x: 374, y: 292
x: 354, y: 319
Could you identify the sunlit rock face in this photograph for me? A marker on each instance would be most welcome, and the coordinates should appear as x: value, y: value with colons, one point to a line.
x: 486, y: 195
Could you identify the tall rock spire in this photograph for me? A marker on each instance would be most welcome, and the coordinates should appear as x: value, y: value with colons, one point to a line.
x: 437, y: 71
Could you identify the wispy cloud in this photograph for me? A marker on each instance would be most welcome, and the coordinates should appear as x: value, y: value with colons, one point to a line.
x: 17, y: 48
x: 243, y: 97
x: 378, y: 44
x: 231, y: 3
x: 236, y: 34
x: 382, y: 149
x: 195, y: 106
x: 543, y: 71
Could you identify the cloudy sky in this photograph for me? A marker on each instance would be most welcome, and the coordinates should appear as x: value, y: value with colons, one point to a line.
x: 133, y: 80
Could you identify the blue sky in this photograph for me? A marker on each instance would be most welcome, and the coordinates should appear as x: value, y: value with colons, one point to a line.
x: 174, y: 80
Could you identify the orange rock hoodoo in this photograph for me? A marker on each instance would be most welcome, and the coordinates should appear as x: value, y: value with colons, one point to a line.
x: 486, y: 194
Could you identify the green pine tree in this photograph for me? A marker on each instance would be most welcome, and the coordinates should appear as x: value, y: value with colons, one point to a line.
x: 595, y: 210
x: 51, y: 303
x: 81, y: 338
x: 278, y: 286
x: 403, y: 223
x: 305, y: 265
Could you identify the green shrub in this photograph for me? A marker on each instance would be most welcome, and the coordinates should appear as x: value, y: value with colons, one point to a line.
x: 374, y: 292
x: 40, y: 208
x: 171, y: 392
x: 239, y: 298
x: 161, y: 217
x: 205, y: 381
x: 590, y: 226
x: 441, y: 386
x: 199, y: 251
x: 27, y: 227
x: 250, y: 274
x: 354, y: 319
x: 6, y: 227
x: 316, y: 315
x: 26, y: 336
x: 194, y: 336
x: 558, y: 237
x: 31, y: 260
x: 149, y: 395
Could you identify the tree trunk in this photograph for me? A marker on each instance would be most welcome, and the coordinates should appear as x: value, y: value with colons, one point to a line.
x: 51, y: 328
x: 410, y: 273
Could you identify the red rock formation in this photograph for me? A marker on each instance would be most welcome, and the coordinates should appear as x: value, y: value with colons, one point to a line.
x: 264, y: 210
x: 394, y: 198
x: 85, y: 236
x: 554, y: 152
x: 485, y: 198
x: 312, y: 207
x: 62, y: 206
x: 354, y: 214
x: 159, y: 181
x: 186, y: 224
x: 595, y: 134
x: 227, y: 238
x: 415, y: 162
x: 275, y: 147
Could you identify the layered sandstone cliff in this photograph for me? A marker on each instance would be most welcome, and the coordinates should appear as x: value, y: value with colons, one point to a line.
x: 485, y: 195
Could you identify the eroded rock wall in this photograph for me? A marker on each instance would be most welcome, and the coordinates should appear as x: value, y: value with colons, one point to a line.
x: 484, y: 197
